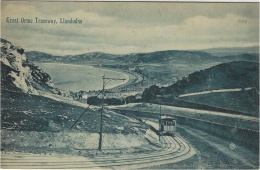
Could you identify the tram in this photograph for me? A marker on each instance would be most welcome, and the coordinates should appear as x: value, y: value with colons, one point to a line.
x: 167, y: 125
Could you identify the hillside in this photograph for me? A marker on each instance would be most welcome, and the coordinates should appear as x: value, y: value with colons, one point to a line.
x: 237, y: 74
x: 244, y: 101
x: 36, y: 124
x: 20, y: 74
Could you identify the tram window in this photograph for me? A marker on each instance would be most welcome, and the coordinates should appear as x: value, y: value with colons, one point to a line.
x: 163, y: 122
x: 168, y: 122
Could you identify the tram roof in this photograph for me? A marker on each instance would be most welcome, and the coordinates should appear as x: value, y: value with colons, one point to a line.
x: 167, y: 117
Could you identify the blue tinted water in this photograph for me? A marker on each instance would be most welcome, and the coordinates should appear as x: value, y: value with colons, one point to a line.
x: 79, y: 77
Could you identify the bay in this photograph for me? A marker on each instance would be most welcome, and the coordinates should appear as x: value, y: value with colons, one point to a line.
x: 80, y: 77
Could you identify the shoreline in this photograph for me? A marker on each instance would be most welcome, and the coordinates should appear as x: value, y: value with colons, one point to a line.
x: 130, y: 74
x: 125, y: 74
x: 115, y: 70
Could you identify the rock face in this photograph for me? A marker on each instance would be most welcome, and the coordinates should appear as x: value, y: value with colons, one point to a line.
x: 18, y: 72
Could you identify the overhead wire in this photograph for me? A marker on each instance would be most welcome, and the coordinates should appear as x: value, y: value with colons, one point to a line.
x: 148, y: 117
x: 84, y: 111
x: 90, y: 105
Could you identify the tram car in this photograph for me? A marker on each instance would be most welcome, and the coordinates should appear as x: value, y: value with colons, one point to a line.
x: 167, y: 125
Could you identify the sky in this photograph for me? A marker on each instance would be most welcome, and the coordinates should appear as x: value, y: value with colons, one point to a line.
x: 130, y: 27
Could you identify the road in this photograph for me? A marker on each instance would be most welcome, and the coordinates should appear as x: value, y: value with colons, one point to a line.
x: 172, y: 150
x: 134, y: 78
x: 214, y: 152
x: 215, y: 91
x: 228, y: 119
x: 173, y: 109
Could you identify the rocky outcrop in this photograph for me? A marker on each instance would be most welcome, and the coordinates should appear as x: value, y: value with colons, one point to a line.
x: 18, y: 72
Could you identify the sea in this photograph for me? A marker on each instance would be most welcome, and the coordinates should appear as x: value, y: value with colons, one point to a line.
x: 74, y: 78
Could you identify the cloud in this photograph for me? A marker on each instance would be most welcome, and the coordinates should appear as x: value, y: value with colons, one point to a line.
x: 131, y: 27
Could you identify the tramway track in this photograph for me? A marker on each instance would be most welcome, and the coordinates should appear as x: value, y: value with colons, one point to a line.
x: 174, y: 149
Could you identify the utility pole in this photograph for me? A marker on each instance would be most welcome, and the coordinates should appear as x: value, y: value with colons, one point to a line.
x: 148, y: 80
x: 106, y: 80
x: 160, y: 121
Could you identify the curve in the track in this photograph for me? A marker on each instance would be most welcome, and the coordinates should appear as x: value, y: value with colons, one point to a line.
x: 174, y: 149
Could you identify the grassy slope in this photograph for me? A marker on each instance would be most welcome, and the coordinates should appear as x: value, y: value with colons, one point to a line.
x: 242, y: 101
x: 27, y: 112
x: 35, y: 124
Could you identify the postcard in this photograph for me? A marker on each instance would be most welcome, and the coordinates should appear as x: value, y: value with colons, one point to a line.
x: 129, y: 85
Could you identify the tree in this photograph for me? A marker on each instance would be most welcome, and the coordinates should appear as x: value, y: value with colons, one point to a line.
x: 150, y: 93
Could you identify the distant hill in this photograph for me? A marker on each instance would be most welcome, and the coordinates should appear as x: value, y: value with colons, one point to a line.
x: 96, y: 57
x: 170, y: 56
x: 154, y: 57
x: 232, y: 51
x: 242, y: 57
x: 39, y: 56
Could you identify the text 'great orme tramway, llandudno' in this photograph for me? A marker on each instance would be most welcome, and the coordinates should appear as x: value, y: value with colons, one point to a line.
x: 38, y: 20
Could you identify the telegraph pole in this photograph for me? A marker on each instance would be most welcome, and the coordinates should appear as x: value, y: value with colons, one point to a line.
x: 101, y: 117
x: 106, y: 80
x: 160, y: 121
x: 148, y: 80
